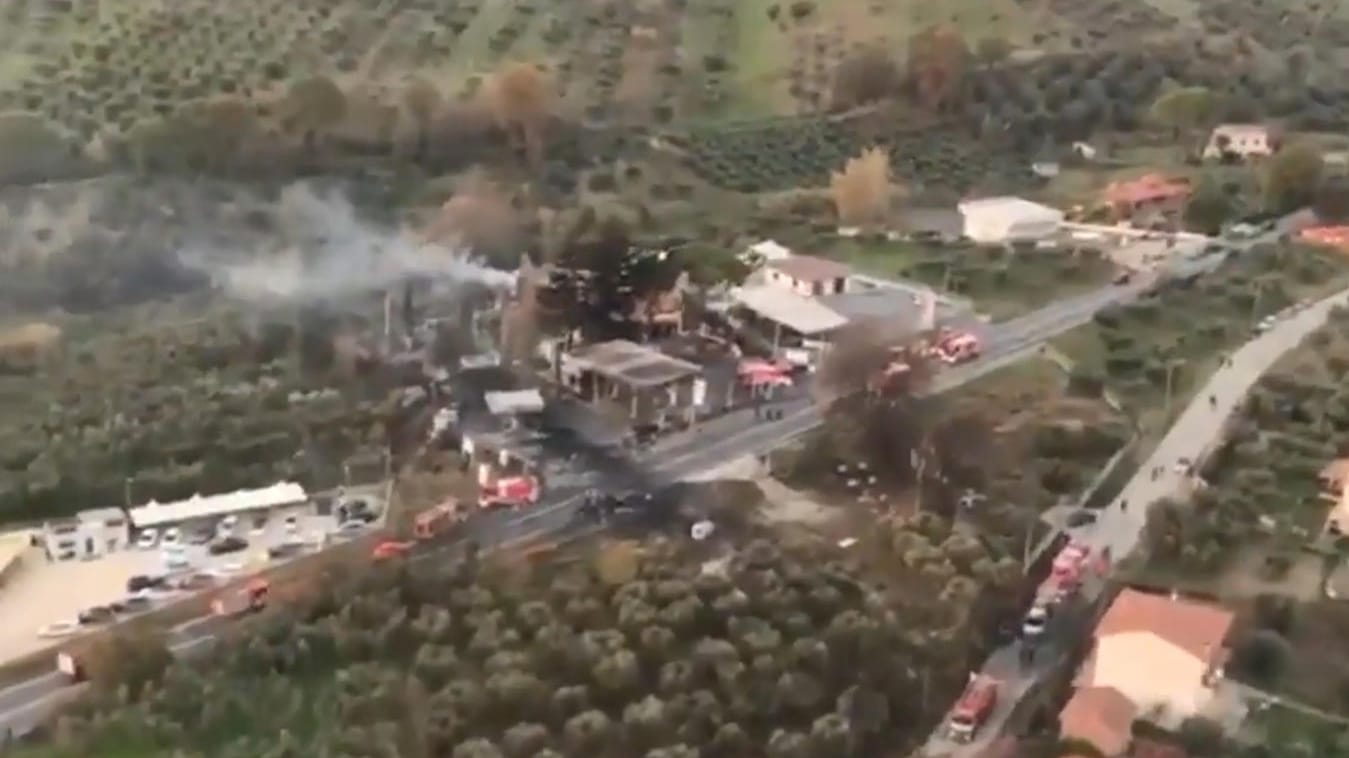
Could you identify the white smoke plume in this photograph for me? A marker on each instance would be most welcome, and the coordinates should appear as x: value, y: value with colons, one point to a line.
x: 324, y: 250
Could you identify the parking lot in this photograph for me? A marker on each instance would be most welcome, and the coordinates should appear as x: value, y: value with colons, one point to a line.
x: 43, y: 594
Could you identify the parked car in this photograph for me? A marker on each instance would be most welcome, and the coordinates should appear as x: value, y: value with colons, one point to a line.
x: 201, y: 536
x: 59, y: 629
x: 228, y: 544
x: 285, y: 550
x: 99, y: 614
x: 172, y: 536
x: 131, y: 604
x: 351, y: 528
x: 357, y: 509
x: 227, y: 525
x: 147, y: 539
x: 175, y: 557
x: 141, y: 582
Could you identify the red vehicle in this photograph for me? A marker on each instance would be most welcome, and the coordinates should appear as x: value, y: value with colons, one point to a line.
x: 757, y: 372
x: 250, y: 598
x: 973, y: 708
x: 389, y: 549
x: 955, y: 347
x: 510, y: 492
x: 434, y: 522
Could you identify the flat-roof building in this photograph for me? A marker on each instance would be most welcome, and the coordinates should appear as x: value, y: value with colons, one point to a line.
x: 279, y: 495
x: 650, y: 381
x: 1000, y: 220
x: 89, y: 534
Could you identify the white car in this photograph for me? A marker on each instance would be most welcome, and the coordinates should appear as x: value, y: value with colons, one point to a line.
x: 175, y: 558
x: 1035, y: 623
x: 1266, y: 324
x: 148, y: 539
x: 172, y: 536
x: 59, y: 629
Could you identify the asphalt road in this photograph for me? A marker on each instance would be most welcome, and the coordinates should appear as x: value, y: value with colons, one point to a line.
x: 1119, y: 526
x: 707, y: 446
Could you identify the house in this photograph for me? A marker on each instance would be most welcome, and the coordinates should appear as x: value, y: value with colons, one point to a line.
x: 1102, y: 716
x: 1241, y: 141
x: 1164, y: 654
x: 1147, y: 195
x: 1002, y: 220
x: 90, y: 534
x: 808, y: 275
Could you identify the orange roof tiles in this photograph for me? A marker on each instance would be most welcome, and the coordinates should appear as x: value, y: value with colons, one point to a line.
x: 1147, y: 188
x: 1197, y: 628
x: 1102, y: 716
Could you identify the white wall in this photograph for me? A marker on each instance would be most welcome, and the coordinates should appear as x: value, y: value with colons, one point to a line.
x: 804, y: 288
x: 1153, y: 673
x: 85, y: 538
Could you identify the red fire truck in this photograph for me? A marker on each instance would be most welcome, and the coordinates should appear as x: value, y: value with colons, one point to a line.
x: 432, y: 523
x: 973, y: 708
x: 250, y: 598
x: 510, y: 492
x: 953, y: 347
x: 758, y: 373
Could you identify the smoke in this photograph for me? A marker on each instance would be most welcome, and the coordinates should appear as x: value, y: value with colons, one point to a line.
x: 324, y: 250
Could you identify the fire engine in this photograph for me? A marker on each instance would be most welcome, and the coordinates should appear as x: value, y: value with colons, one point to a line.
x: 250, y: 598
x: 973, y: 708
x: 510, y: 492
x: 758, y: 373
x: 432, y: 523
x: 954, y: 347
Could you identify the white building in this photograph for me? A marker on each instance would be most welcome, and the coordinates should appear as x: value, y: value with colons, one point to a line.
x: 807, y: 275
x: 999, y: 220
x: 155, y: 515
x: 89, y: 534
x: 1240, y: 141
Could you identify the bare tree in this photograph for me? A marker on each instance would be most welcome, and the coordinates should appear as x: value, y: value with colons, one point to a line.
x: 521, y: 98
x: 862, y: 189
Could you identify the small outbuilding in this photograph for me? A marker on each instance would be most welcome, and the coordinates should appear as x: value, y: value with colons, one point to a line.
x: 1002, y: 220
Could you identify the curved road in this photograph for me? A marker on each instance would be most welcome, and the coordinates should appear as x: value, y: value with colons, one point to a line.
x: 1119, y: 526
x: 682, y: 456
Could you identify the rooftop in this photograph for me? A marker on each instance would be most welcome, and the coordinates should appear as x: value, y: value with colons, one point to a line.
x: 1230, y: 129
x: 155, y: 514
x: 1197, y: 628
x: 805, y: 315
x: 1102, y: 716
x: 874, y: 303
x: 809, y: 268
x: 1008, y: 205
x: 513, y: 402
x: 1335, y: 474
x: 1150, y: 187
x: 100, y: 515
x: 632, y: 364
x: 770, y: 250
